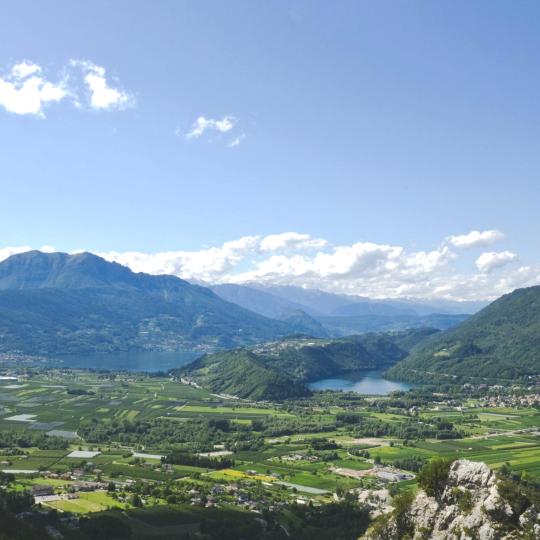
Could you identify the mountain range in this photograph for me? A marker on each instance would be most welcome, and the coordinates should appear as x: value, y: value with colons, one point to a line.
x: 53, y: 303
x: 328, y: 314
x: 277, y: 300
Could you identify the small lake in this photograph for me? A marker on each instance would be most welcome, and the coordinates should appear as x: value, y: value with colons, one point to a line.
x: 148, y: 361
x: 364, y: 382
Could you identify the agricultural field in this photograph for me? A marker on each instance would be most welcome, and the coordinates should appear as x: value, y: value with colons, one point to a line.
x: 96, y: 443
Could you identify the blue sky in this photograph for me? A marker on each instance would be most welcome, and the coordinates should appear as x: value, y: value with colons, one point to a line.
x: 388, y: 123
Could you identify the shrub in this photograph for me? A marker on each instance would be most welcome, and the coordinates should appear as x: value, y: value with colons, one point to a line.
x: 434, y: 476
x: 402, y: 513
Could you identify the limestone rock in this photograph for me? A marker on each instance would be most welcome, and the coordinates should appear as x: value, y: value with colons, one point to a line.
x: 470, y: 507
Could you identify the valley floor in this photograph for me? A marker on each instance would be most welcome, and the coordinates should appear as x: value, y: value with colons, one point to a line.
x: 172, y: 455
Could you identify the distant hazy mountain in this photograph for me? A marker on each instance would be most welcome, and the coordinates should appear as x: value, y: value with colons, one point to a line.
x: 59, y: 303
x: 258, y: 300
x: 306, y: 324
x: 340, y: 315
x: 372, y: 308
x: 274, y: 300
x: 345, y: 326
x: 441, y: 306
x: 500, y: 342
x: 312, y: 301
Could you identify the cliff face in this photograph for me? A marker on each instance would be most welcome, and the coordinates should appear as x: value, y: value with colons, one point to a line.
x: 470, y: 507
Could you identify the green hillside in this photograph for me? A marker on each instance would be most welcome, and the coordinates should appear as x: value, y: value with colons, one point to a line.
x: 244, y: 374
x: 501, y: 342
x: 279, y: 369
x: 311, y: 359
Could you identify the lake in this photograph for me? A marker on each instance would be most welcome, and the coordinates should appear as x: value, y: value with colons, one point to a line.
x: 149, y: 361
x: 364, y: 382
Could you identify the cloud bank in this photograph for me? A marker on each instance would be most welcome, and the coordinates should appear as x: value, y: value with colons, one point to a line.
x: 362, y: 268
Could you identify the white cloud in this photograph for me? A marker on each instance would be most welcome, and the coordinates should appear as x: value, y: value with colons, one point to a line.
x: 206, y: 265
x: 236, y: 142
x: 9, y: 251
x: 25, y: 91
x: 102, y: 95
x: 203, y: 124
x: 489, y: 261
x: 24, y: 69
x: 290, y: 240
x: 362, y: 268
x: 476, y: 238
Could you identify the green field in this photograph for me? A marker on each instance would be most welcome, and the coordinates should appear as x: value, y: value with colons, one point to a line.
x: 88, y: 502
x: 285, y: 451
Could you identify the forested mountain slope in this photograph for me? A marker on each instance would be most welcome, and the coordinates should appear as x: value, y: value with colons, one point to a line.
x: 500, y: 342
x: 60, y: 303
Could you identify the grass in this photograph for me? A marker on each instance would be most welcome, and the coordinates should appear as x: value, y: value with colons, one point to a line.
x: 87, y: 503
x: 233, y: 474
x: 233, y: 410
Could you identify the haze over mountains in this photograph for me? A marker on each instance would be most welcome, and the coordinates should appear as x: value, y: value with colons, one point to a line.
x: 276, y: 300
x: 341, y: 315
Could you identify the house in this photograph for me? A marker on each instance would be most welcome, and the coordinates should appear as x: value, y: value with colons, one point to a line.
x: 88, y: 486
x: 41, y: 490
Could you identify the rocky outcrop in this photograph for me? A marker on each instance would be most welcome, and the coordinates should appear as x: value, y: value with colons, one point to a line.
x: 470, y: 507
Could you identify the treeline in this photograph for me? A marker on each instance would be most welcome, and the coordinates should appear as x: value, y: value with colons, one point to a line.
x: 200, y: 434
x: 79, y: 392
x: 320, y: 443
x: 193, y: 460
x: 413, y: 463
x: 13, y: 503
x: 276, y: 426
x: 13, y: 439
x: 192, y: 435
x: 363, y: 426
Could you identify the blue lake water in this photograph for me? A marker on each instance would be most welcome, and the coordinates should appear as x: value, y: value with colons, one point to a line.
x: 365, y: 382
